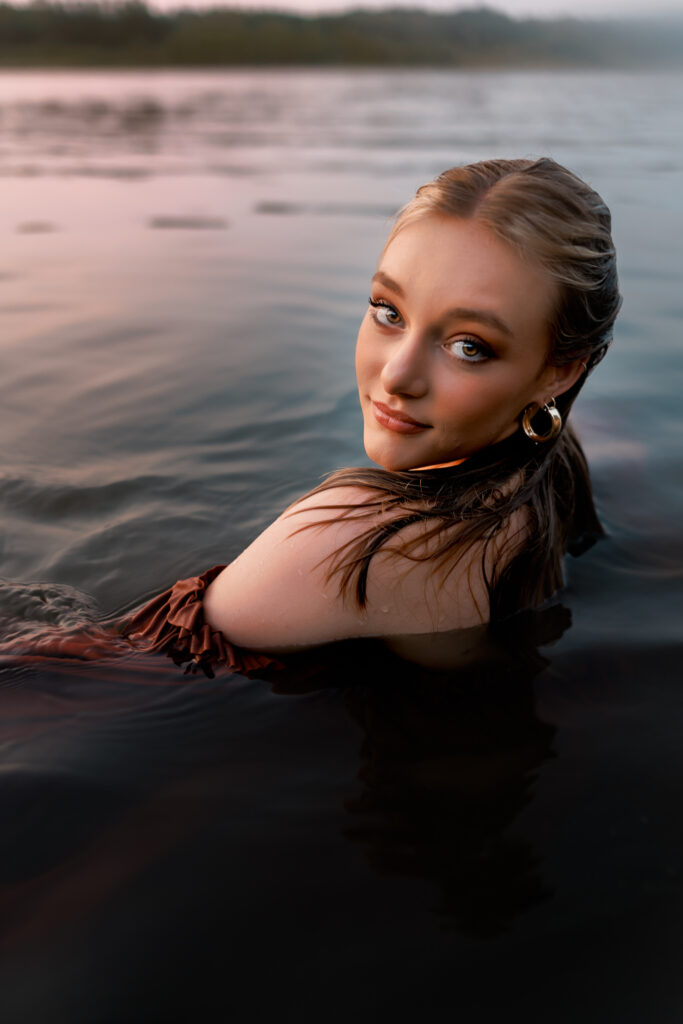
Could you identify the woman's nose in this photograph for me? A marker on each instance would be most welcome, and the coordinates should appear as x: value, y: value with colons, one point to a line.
x: 405, y: 371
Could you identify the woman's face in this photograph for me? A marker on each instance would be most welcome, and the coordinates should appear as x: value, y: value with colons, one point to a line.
x: 454, y: 344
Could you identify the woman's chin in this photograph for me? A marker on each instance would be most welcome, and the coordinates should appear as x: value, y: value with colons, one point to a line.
x: 393, y: 461
x: 401, y: 452
x: 392, y: 467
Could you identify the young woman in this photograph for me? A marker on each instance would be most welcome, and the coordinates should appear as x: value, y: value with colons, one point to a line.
x: 494, y: 297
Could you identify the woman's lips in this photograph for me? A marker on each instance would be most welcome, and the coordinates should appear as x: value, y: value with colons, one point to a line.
x: 392, y: 419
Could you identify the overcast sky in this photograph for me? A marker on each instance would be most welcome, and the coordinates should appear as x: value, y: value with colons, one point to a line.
x: 520, y: 8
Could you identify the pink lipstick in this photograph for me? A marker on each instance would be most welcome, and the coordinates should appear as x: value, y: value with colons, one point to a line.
x: 398, y: 421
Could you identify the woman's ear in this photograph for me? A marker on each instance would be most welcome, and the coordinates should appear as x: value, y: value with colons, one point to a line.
x: 559, y: 379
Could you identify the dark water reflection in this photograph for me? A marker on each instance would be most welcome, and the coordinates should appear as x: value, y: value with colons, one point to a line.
x: 354, y: 823
x: 185, y: 265
x: 122, y: 779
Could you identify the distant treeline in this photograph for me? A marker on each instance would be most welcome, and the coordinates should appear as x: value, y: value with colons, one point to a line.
x: 128, y: 34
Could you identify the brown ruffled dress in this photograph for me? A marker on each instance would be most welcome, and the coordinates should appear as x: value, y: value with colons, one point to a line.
x: 173, y: 623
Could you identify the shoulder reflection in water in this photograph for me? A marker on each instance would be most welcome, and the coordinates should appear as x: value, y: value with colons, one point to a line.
x: 449, y: 759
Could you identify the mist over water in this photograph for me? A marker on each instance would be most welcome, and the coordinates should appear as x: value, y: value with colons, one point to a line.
x: 186, y: 260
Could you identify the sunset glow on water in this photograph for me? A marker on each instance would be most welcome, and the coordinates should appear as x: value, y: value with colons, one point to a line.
x: 185, y: 263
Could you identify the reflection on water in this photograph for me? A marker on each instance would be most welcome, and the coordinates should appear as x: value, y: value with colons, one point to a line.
x: 447, y: 761
x: 447, y: 764
x: 185, y: 264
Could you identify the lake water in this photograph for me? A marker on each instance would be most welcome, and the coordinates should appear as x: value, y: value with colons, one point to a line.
x: 186, y: 259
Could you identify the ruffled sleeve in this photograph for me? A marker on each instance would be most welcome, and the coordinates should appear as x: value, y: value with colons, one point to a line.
x: 173, y: 623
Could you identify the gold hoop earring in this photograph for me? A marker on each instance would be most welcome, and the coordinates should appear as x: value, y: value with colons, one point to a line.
x: 555, y: 421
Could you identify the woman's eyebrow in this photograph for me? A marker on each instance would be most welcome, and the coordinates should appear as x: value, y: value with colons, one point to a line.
x: 388, y: 282
x: 482, y: 316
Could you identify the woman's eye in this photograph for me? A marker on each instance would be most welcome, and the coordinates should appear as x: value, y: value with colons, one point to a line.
x: 384, y: 313
x: 469, y: 350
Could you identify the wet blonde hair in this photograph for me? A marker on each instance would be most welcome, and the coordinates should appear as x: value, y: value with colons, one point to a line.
x: 551, y: 217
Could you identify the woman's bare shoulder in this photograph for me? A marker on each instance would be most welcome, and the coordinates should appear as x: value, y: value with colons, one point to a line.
x: 279, y: 592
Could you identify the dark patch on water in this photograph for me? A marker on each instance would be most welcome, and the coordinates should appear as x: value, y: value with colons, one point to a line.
x: 53, y: 815
x: 233, y: 170
x: 274, y: 206
x: 174, y: 223
x: 36, y: 227
x: 23, y: 170
x: 100, y: 171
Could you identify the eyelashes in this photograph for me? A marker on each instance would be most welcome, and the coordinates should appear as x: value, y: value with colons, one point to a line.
x: 467, y: 349
x: 477, y: 352
x: 383, y: 312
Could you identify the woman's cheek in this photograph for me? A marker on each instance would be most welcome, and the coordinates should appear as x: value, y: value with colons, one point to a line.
x: 361, y: 347
x: 368, y: 361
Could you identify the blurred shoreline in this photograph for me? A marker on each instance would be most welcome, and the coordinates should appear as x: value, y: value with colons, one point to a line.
x: 129, y: 35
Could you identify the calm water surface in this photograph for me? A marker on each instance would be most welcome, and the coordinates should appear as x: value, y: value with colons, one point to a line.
x: 186, y: 259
